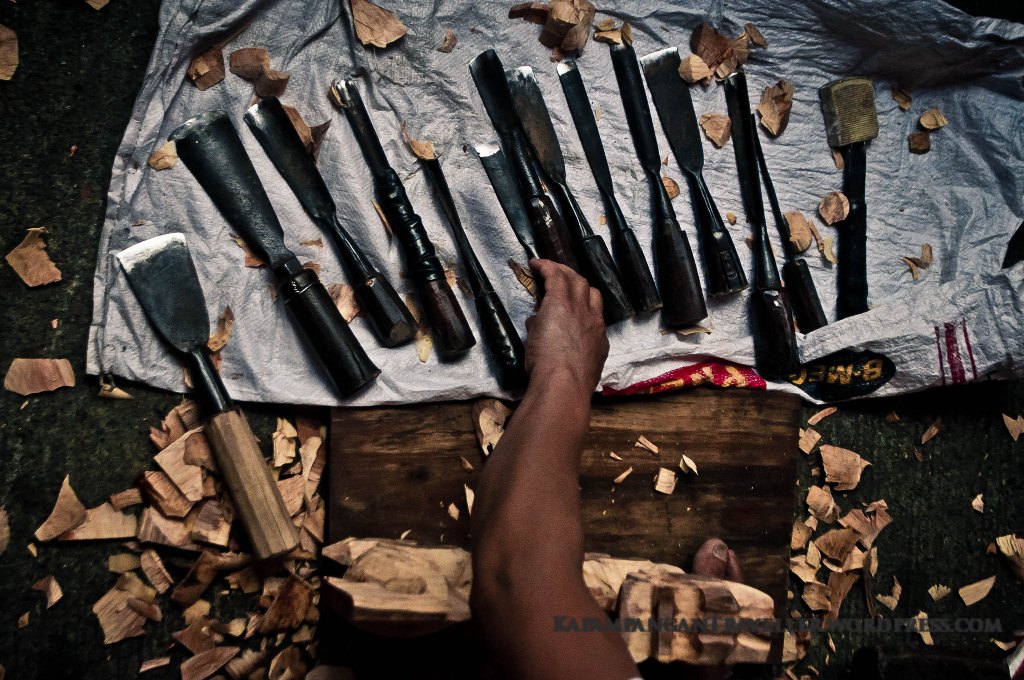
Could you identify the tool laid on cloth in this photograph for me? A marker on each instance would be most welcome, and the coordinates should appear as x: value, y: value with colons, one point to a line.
x: 211, y: 149
x: 633, y: 267
x: 591, y: 252
x: 503, y: 182
x: 549, y: 230
x: 390, y: 319
x: 164, y: 279
x: 851, y: 121
x: 678, y: 281
x: 799, y: 285
x: 775, y: 350
x: 503, y: 342
x: 452, y: 335
x: 671, y: 97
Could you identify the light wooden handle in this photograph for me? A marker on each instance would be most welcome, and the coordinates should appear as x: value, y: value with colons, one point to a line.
x: 253, y: 491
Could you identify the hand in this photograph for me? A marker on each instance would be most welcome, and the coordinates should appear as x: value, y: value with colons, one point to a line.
x: 567, y: 336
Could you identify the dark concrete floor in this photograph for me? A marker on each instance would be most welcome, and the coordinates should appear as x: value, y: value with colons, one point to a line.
x: 79, y: 73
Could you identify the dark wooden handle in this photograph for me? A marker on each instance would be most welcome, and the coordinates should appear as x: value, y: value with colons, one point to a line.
x: 503, y: 342
x: 390, y: 319
x: 451, y: 331
x: 775, y: 351
x: 600, y: 270
x: 636, y: 274
x: 678, y: 281
x: 254, y: 494
x: 803, y: 296
x: 725, y: 273
x: 851, y: 266
x: 549, y: 231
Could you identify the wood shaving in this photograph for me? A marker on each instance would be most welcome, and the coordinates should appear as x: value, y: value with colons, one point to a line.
x: 821, y: 504
x: 842, y: 467
x: 614, y: 456
x: 251, y: 259
x: 102, y: 523
x: 809, y: 438
x: 776, y: 104
x: 839, y: 584
x: 821, y: 415
x: 449, y: 42
x: 1005, y: 646
x: 643, y: 442
x: 34, y: 376
x: 1015, y: 426
x: 108, y: 390
x: 122, y: 562
x: 23, y: 620
x: 157, y: 662
x: 671, y: 187
x: 730, y: 216
x: 525, y: 277
x: 816, y: 596
x: 714, y: 49
x: 5, y: 531
x: 68, y: 513
x: 922, y: 628
x: 693, y: 69
x: 489, y: 418
x: 800, y: 535
x: 219, y: 338
x: 207, y: 69
x: 164, y: 158
x: 686, y: 464
x: 717, y: 127
x: 976, y: 592
x: 424, y: 150
x: 837, y: 544
x: 919, y: 142
x: 205, y: 664
x: 665, y: 481
x: 932, y: 119
x: 466, y: 465
x: 800, y: 234
x: 566, y: 24
x: 30, y: 260
x: 470, y: 497
x: 344, y: 297
x: 312, y: 138
x: 117, y: 619
x: 375, y: 25
x: 932, y: 431
x: 837, y: 158
x: 802, y: 569
x: 8, y: 52
x: 755, y: 35
x: 938, y: 592
x: 828, y: 250
x: 1011, y: 547
x: 622, y: 476
x: 901, y: 97
x: 249, y: 62
x: 978, y: 503
x: 834, y: 207
x: 49, y: 586
x: 893, y: 598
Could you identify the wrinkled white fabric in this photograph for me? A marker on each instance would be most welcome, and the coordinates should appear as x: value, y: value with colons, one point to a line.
x: 964, y: 197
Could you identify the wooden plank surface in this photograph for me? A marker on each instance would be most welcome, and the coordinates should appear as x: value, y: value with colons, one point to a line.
x: 398, y: 469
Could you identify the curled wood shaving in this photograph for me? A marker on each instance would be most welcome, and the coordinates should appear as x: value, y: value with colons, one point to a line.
x: 821, y: 415
x: 643, y: 442
x: 449, y: 42
x: 692, y: 69
x: 622, y: 476
x: 102, y: 523
x: 730, y: 216
x: 755, y: 35
x: 249, y: 62
x: 816, y: 596
x: 800, y: 535
x: 375, y: 25
x: 714, y: 49
x: 489, y: 418
x: 156, y: 662
x: 665, y: 481
x: 671, y: 187
x: 312, y: 138
x: 842, y: 467
x: 978, y: 503
x: 809, y: 438
x: 837, y: 544
x: 893, y: 598
x: 839, y: 584
x: 34, y: 376
x: 525, y: 277
x: 932, y: 431
x: 776, y: 104
x: 919, y: 142
x: 30, y: 260
x: 207, y: 69
x: 205, y: 664
x: 686, y: 464
x: 821, y: 504
x: 220, y: 337
x: 422, y: 149
x: 68, y: 513
x: 614, y: 456
x: 344, y: 297
x: 49, y: 586
x: 717, y: 127
x: 23, y: 620
x: 800, y: 234
x: 802, y: 569
x: 834, y: 207
x: 164, y: 158
x: 837, y: 158
x: 108, y: 390
x: 976, y: 592
x: 828, y: 250
x: 8, y: 52
x: 932, y: 119
x: 1005, y: 646
x: 938, y: 591
x: 901, y: 97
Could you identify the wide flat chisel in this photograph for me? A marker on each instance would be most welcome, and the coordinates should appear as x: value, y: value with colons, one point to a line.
x: 164, y: 279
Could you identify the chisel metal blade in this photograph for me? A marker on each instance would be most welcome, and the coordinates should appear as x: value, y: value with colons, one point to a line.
x: 536, y: 119
x: 586, y: 124
x: 675, y: 108
x: 503, y: 181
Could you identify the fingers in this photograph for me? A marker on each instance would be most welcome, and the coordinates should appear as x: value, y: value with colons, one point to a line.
x: 596, y: 302
x: 712, y: 559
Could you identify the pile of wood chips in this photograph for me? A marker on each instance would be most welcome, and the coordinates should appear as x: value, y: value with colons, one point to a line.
x: 183, y: 509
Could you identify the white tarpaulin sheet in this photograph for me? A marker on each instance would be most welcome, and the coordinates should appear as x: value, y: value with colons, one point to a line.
x: 961, y: 321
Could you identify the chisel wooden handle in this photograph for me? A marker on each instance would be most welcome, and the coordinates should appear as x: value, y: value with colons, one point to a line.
x: 253, y: 492
x: 504, y: 346
x: 803, y: 296
x: 852, y: 266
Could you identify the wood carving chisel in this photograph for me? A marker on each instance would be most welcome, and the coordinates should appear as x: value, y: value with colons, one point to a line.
x: 211, y: 149
x: 775, y: 350
x: 390, y: 319
x: 549, y: 230
x: 851, y: 121
x: 682, y: 298
x: 671, y: 97
x: 592, y: 253
x: 164, y: 279
x: 633, y: 267
x: 452, y: 335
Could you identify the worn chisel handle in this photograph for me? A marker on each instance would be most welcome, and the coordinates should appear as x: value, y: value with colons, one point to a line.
x: 504, y: 346
x: 452, y: 334
x: 775, y: 350
x: 803, y: 295
x: 325, y: 329
x: 725, y: 272
x: 852, y: 266
x: 683, y: 303
x: 253, y: 492
x: 549, y: 230
x: 636, y: 274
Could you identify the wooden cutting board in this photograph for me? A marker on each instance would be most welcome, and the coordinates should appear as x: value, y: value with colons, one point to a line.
x: 398, y: 469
